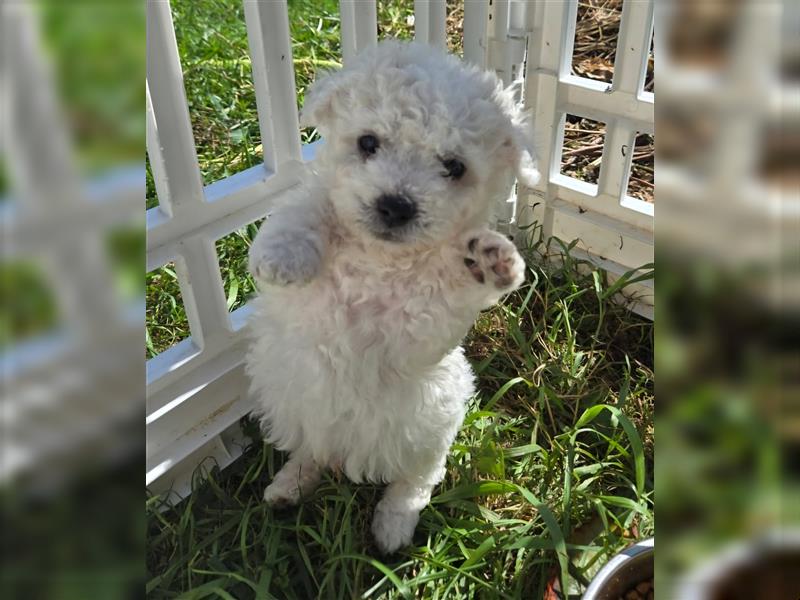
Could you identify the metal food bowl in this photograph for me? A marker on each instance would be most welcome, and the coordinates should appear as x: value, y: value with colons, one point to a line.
x: 626, y: 569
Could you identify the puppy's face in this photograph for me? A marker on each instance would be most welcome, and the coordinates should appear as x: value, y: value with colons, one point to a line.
x: 417, y: 146
x: 396, y: 181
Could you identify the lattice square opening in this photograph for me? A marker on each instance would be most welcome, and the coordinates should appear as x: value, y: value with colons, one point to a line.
x: 151, y: 196
x: 232, y: 251
x: 649, y: 75
x: 166, y: 322
x: 395, y: 20
x: 454, y: 28
x: 595, y: 44
x: 704, y: 34
x: 218, y: 80
x: 582, y: 148
x: 29, y: 305
x: 3, y: 181
x: 641, y: 181
x: 125, y: 248
x: 686, y: 136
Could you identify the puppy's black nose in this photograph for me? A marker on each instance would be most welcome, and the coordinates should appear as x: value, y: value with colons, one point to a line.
x: 395, y: 211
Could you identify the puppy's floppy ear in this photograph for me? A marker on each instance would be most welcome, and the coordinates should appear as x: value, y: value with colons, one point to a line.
x: 519, y: 146
x: 524, y: 154
x: 319, y: 107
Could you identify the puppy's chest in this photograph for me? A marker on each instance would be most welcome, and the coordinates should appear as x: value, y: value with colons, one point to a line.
x: 386, y: 298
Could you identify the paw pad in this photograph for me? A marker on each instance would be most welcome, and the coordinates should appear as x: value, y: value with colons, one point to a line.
x: 475, y: 269
x: 491, y: 256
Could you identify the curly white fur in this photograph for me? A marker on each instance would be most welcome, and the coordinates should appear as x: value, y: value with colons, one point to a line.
x: 355, y: 357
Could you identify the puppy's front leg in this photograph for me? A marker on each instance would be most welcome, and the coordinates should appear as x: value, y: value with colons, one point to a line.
x: 397, y: 514
x: 290, y: 245
x: 298, y: 477
x: 492, y: 266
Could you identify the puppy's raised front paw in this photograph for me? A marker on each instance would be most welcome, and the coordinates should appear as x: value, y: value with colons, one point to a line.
x: 285, y: 260
x: 493, y: 259
x: 393, y: 528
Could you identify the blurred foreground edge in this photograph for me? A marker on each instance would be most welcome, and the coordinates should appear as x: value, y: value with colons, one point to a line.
x: 73, y: 393
x: 728, y: 300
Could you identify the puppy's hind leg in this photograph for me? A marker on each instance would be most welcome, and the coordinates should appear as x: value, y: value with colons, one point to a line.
x: 297, y: 478
x: 397, y: 514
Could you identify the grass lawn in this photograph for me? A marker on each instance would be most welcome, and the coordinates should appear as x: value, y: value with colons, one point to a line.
x: 551, y: 472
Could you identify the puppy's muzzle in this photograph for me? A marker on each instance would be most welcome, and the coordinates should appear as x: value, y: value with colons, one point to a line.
x: 395, y: 210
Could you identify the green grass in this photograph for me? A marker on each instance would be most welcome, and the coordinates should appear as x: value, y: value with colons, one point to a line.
x: 551, y: 473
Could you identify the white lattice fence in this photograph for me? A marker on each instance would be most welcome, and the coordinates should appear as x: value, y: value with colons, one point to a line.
x: 614, y: 229
x: 196, y: 389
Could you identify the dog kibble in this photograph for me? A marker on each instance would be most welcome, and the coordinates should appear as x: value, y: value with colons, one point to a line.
x: 643, y: 591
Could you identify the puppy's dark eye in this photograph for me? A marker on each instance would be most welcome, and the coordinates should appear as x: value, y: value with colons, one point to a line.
x: 368, y: 144
x: 453, y: 168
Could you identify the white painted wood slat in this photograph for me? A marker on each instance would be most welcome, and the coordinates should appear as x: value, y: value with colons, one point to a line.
x: 201, y: 288
x: 359, y: 26
x: 261, y: 85
x: 170, y: 140
x: 273, y: 76
x: 156, y: 158
x: 476, y: 42
x: 633, y: 45
x: 429, y: 22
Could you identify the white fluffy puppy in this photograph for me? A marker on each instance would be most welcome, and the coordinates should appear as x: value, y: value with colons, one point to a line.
x: 374, y: 271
